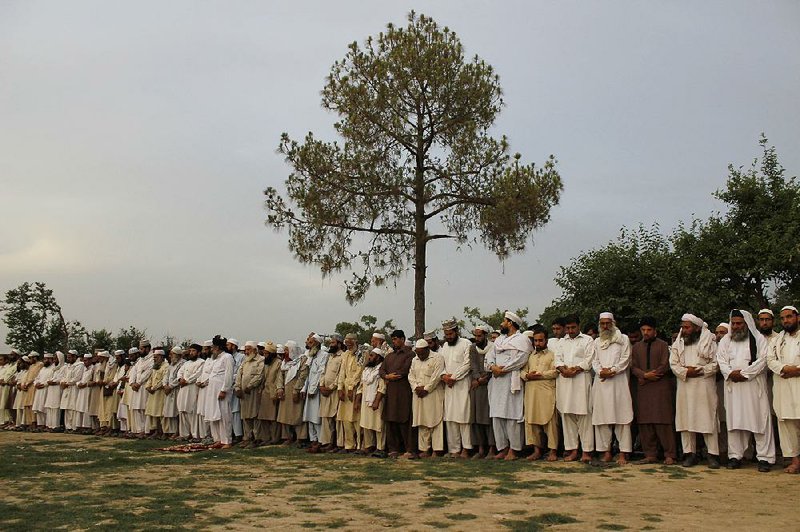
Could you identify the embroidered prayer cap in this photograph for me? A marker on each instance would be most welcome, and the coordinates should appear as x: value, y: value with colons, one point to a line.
x: 691, y: 318
x: 271, y: 348
x: 317, y: 337
x: 607, y: 316
x: 144, y: 343
x: 765, y: 311
x: 133, y: 351
x: 379, y: 351
x: 450, y: 324
x: 34, y: 354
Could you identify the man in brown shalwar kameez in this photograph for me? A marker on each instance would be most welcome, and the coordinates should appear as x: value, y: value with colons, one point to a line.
x: 654, y: 411
x: 482, y: 431
x: 269, y: 430
x: 400, y: 438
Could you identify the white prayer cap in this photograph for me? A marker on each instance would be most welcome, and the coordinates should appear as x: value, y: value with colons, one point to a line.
x: 691, y: 318
x: 158, y: 352
x: 119, y: 352
x: 72, y: 352
x: 208, y: 343
x: 379, y: 336
x: 281, y: 349
x: 317, y: 337
x: 250, y: 343
x: 261, y: 344
x: 133, y: 351
x: 87, y: 355
x: 14, y: 352
x: 33, y: 354
x: 104, y: 354
x: 765, y: 311
x: 26, y: 358
x: 144, y: 343
x: 607, y: 316
x: 510, y: 316
x: 421, y: 344
x: 789, y: 307
x: 49, y: 355
x: 233, y: 341
x: 177, y: 350
x: 724, y: 326
x: 484, y: 328
x: 529, y: 334
x: 430, y: 335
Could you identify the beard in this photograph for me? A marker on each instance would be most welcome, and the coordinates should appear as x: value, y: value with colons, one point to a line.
x: 452, y: 342
x: 372, y: 363
x: 607, y: 334
x: 482, y: 343
x: 791, y: 328
x: 739, y: 336
x: 539, y: 349
x: 504, y: 330
x: 692, y: 338
x: 766, y: 331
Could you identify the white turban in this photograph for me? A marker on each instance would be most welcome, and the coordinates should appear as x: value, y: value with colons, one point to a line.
x: 379, y: 336
x: 49, y: 355
x: 233, y: 341
x: 484, y: 328
x: 104, y: 354
x: 72, y: 352
x: 724, y: 326
x: 691, y: 318
x: 765, y: 311
x: 262, y: 344
x: 177, y: 350
x: 510, y: 316
x: 789, y: 307
x: 250, y: 343
x: 421, y: 344
x: 607, y: 316
x: 317, y: 337
x: 529, y: 334
x: 280, y: 349
x: 119, y: 352
x: 158, y: 352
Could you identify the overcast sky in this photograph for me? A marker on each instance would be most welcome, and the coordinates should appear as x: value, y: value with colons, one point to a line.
x: 136, y: 140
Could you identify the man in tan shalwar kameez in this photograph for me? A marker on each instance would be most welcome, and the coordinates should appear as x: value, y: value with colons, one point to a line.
x: 370, y: 394
x: 329, y: 396
x: 427, y: 403
x: 154, y: 409
x: 269, y: 430
x: 29, y: 389
x: 540, y: 376
x: 349, y: 408
x: 291, y: 395
x: 247, y: 387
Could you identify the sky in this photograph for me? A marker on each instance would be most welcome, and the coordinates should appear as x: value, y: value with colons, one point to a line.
x: 137, y: 139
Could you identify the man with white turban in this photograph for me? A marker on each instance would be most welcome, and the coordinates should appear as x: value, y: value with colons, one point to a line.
x: 612, y: 409
x: 742, y: 358
x: 348, y: 416
x: 508, y: 356
x: 573, y: 360
x: 693, y: 361
x: 247, y: 389
x: 455, y: 351
x: 316, y: 359
x: 783, y: 359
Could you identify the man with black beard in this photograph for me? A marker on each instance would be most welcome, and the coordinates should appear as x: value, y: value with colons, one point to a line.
x: 455, y: 352
x: 401, y: 437
x: 765, y: 324
x: 432, y: 340
x: 482, y: 433
x: 784, y: 361
x: 742, y: 358
x: 693, y: 361
x: 268, y: 430
x: 329, y: 402
x: 186, y: 400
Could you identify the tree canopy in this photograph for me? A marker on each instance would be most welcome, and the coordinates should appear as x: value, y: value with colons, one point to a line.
x: 747, y: 257
x: 416, y: 163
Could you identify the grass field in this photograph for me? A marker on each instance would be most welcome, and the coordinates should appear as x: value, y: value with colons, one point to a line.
x: 82, y: 482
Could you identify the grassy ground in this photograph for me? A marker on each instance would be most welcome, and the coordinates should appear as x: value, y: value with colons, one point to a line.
x: 77, y: 482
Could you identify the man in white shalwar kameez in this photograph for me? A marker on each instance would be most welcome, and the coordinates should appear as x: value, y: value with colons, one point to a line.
x: 217, y: 406
x: 508, y: 355
x: 783, y: 359
x: 82, y: 413
x: 70, y: 386
x: 202, y: 392
x: 52, y: 404
x: 612, y: 409
x: 742, y: 359
x: 428, y: 399
x: 573, y: 360
x: 186, y: 400
x: 457, y: 405
x: 316, y: 359
x: 139, y: 376
x: 40, y: 383
x: 693, y: 361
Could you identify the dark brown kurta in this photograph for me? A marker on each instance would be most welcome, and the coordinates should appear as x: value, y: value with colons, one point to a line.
x: 397, y: 403
x: 654, y: 403
x: 479, y: 397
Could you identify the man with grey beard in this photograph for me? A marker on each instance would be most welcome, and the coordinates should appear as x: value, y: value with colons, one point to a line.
x: 742, y: 358
x: 693, y: 361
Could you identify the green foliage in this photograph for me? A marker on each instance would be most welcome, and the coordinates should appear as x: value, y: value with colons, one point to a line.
x: 414, y: 115
x: 493, y: 320
x: 130, y: 337
x: 77, y: 337
x: 365, y: 328
x: 33, y: 318
x: 101, y: 339
x: 747, y: 258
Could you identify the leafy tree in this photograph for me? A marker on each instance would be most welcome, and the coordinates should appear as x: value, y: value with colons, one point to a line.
x: 365, y: 328
x: 130, y: 337
x: 77, y: 337
x: 417, y: 164
x: 33, y: 318
x: 493, y: 320
x: 101, y: 339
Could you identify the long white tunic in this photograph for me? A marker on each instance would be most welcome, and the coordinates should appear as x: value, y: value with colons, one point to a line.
x: 40, y: 396
x: 171, y: 380
x: 141, y: 374
x: 505, y: 396
x: 316, y: 368
x: 70, y: 395
x: 82, y: 399
x: 696, y: 398
x: 202, y: 393
x: 186, y: 400
x: 611, y: 398
x: 746, y: 403
x: 457, y: 364
x: 220, y: 379
x: 53, y: 399
x: 573, y: 394
x: 785, y: 351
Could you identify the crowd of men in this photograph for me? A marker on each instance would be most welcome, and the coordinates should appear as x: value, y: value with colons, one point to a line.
x: 500, y: 394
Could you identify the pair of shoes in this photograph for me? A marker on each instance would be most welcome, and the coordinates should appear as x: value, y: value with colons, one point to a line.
x: 734, y: 463
x: 690, y: 460
x: 764, y: 466
x: 713, y: 461
x: 380, y: 454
